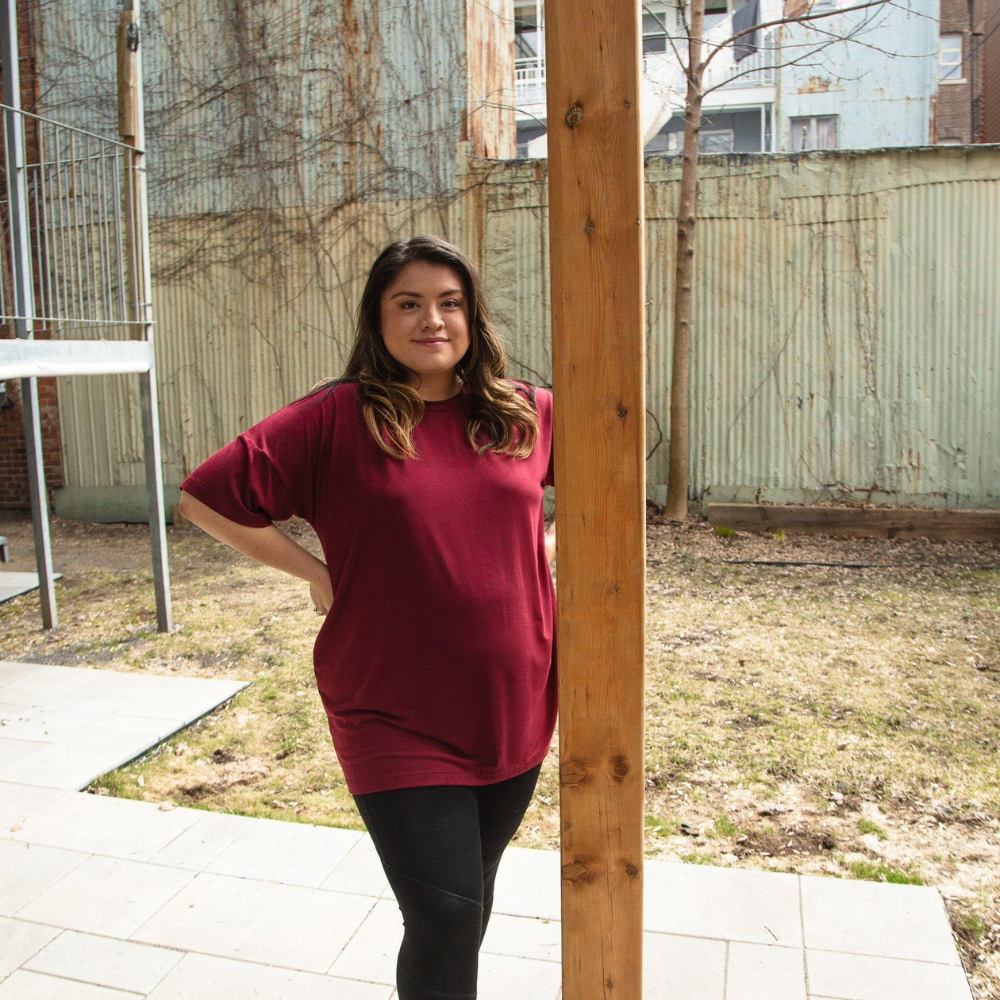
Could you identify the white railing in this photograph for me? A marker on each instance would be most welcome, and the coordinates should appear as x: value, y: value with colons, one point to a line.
x: 529, y: 81
x: 755, y: 70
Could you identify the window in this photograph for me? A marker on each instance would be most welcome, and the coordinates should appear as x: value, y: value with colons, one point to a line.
x: 657, y: 23
x: 717, y: 140
x: 950, y: 58
x: 716, y: 11
x: 812, y: 133
x: 527, y: 37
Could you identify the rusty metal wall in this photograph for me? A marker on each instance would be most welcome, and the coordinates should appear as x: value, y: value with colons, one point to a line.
x: 846, y: 326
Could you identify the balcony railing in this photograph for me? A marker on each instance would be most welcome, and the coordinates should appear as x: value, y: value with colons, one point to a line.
x: 755, y: 70
x: 529, y: 81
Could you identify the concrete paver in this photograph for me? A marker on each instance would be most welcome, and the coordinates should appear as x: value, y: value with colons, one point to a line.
x: 136, y: 968
x: 105, y: 899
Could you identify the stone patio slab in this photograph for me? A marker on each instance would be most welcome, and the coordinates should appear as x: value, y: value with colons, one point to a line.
x: 682, y: 968
x: 371, y: 953
x: 765, y: 972
x: 360, y: 872
x: 505, y: 978
x: 18, y: 802
x: 529, y: 884
x: 100, y: 824
x: 14, y: 584
x: 23, y: 985
x: 21, y: 941
x: 200, y: 976
x: 203, y: 841
x: 103, y: 961
x: 293, y: 853
x: 872, y: 918
x: 29, y: 870
x: 267, y: 922
x: 106, y: 896
x: 524, y: 937
x: 860, y: 977
x: 728, y: 904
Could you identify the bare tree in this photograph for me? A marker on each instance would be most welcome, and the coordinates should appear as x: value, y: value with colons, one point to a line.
x: 696, y: 55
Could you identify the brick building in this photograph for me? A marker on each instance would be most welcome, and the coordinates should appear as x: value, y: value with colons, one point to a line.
x: 989, y: 53
x: 13, y: 456
x: 963, y: 70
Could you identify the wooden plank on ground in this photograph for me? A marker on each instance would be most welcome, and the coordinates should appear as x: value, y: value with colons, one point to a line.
x: 860, y: 522
x: 596, y: 226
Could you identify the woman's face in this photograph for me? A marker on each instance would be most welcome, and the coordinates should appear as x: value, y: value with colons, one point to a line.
x: 425, y: 319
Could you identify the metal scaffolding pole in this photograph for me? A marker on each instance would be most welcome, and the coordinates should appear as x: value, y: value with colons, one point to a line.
x: 24, y: 305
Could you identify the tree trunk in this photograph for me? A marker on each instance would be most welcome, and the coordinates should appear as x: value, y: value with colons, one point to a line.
x: 680, y: 375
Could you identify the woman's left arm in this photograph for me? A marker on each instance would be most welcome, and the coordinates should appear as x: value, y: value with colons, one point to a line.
x: 550, y: 543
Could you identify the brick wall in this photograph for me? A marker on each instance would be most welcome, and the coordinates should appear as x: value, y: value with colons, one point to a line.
x: 953, y: 114
x: 13, y: 456
x: 990, y: 64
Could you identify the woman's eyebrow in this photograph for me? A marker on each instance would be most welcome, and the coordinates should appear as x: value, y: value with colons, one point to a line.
x: 417, y: 295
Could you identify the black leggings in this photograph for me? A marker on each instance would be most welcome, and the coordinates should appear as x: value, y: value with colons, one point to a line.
x: 440, y: 846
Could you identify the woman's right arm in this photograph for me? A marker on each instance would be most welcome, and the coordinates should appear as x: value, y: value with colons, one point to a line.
x: 268, y: 545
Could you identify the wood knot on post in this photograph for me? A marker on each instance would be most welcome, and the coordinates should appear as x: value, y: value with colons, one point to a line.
x: 573, y: 772
x: 589, y: 227
x: 619, y: 766
x: 631, y: 870
x: 574, y: 116
x: 622, y: 412
x: 575, y: 871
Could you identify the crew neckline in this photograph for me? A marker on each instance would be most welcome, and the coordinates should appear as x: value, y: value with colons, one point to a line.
x: 446, y: 404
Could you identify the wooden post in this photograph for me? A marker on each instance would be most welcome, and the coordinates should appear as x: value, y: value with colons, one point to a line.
x: 596, y: 227
x: 131, y: 127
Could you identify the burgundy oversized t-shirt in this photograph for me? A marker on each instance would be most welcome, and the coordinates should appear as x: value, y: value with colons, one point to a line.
x: 436, y: 663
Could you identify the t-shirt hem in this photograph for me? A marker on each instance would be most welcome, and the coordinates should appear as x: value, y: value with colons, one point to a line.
x: 454, y: 776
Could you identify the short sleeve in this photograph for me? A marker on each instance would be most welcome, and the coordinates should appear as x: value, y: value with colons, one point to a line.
x: 268, y: 473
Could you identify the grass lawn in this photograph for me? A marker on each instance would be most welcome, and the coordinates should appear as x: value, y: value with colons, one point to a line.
x: 812, y: 719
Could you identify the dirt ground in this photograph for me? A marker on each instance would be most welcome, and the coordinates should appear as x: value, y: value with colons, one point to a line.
x: 802, y: 718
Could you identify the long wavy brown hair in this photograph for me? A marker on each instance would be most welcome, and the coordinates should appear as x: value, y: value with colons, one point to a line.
x: 499, y: 417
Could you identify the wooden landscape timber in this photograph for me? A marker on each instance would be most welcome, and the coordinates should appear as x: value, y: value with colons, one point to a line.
x: 596, y: 225
x: 859, y: 522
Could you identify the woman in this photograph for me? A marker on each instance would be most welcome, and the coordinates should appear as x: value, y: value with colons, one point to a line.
x: 422, y: 472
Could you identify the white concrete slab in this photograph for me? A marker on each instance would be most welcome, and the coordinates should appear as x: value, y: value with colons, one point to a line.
x: 505, y: 978
x: 682, y: 968
x: 20, y: 942
x: 524, y: 937
x: 14, y: 584
x: 293, y: 853
x: 203, y: 841
x: 529, y: 884
x: 721, y: 903
x: 200, y: 976
x: 29, y: 870
x: 875, y: 918
x: 765, y: 972
x: 23, y: 985
x: 371, y: 953
x: 62, y: 727
x: 360, y: 872
x: 103, y: 961
x: 100, y: 824
x: 284, y: 925
x: 834, y: 976
x: 105, y: 896
x: 18, y: 802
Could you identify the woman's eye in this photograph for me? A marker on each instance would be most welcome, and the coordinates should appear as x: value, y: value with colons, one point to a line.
x: 452, y: 303
x: 406, y: 305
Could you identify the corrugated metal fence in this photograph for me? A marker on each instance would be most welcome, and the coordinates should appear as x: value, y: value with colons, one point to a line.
x: 846, y: 328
